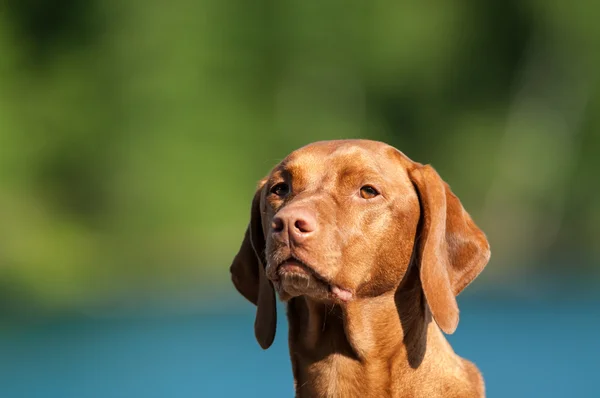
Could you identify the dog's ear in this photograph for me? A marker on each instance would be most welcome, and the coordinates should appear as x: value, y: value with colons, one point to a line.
x: 249, y: 277
x: 452, y: 250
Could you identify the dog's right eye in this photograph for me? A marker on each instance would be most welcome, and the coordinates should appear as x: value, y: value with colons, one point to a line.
x: 368, y: 192
x: 281, y: 189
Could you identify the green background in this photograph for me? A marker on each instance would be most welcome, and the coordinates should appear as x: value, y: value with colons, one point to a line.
x: 132, y: 133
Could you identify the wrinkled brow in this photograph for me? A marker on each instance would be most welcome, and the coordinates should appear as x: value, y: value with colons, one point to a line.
x: 299, y: 172
x: 357, y: 174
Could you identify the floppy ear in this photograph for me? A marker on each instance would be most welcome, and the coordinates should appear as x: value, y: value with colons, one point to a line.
x: 249, y: 277
x: 452, y: 249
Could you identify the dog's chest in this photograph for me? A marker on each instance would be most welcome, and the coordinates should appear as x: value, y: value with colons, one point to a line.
x: 335, y: 376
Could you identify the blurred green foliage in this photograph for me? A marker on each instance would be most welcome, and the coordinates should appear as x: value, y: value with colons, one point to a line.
x: 132, y: 133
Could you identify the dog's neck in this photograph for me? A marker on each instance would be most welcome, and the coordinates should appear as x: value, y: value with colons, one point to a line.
x: 358, y: 349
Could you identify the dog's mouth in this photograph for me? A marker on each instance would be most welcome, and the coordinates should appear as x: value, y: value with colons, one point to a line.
x: 295, y: 277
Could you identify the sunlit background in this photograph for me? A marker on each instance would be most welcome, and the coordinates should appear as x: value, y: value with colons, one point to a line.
x: 132, y: 134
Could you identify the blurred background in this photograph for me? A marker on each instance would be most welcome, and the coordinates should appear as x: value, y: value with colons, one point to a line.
x: 132, y: 134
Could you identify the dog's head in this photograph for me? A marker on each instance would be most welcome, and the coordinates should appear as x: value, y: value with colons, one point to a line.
x: 341, y: 220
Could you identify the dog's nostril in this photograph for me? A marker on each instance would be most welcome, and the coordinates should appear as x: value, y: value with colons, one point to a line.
x: 277, y: 224
x: 303, y: 226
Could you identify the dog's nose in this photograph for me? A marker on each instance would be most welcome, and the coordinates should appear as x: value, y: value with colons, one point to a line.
x: 298, y: 223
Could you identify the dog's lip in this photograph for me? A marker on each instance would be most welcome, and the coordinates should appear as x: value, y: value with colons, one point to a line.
x: 295, y: 265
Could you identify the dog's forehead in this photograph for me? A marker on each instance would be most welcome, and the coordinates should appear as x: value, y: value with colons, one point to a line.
x: 326, y: 159
x: 341, y: 147
x: 329, y: 156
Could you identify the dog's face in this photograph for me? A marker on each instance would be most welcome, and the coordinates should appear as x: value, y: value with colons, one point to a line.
x: 339, y: 221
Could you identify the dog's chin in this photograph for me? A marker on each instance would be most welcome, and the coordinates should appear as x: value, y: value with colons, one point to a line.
x: 296, y: 279
x: 301, y: 283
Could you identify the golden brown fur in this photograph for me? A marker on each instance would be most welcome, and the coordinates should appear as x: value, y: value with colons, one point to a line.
x: 369, y: 250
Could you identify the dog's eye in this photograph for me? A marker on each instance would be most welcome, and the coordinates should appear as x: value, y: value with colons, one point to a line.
x: 281, y: 189
x: 368, y: 192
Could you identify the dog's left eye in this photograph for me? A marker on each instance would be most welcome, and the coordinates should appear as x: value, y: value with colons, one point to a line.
x: 368, y: 192
x: 281, y: 189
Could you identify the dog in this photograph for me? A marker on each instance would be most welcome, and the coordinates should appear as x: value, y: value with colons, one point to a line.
x: 369, y: 250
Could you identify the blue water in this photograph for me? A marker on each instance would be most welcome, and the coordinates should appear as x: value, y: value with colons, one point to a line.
x: 524, y: 349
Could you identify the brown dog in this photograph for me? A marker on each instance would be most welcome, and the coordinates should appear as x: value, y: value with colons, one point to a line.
x: 367, y: 248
